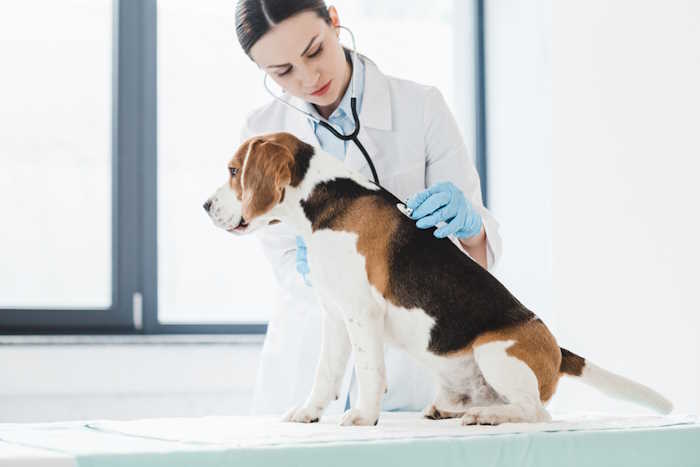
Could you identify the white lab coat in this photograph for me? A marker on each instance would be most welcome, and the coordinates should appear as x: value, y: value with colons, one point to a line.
x: 414, y: 142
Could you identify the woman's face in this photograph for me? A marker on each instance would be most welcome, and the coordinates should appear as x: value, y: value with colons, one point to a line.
x: 302, y: 54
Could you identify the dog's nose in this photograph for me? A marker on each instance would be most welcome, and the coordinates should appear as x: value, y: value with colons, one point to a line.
x: 207, y: 205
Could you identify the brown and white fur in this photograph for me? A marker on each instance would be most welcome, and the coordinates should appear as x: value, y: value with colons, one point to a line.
x: 379, y: 278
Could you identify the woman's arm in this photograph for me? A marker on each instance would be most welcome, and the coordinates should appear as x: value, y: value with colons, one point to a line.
x: 476, y: 247
x: 447, y: 159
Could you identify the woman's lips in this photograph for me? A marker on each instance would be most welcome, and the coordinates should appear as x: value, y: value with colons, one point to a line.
x: 323, y: 90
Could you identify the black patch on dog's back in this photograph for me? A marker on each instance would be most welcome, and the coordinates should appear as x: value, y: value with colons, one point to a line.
x: 330, y: 199
x: 464, y: 299
x: 427, y: 272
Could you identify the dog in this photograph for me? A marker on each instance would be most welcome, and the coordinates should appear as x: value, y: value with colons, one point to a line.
x: 379, y: 278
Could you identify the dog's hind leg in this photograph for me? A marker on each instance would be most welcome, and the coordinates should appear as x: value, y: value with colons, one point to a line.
x: 513, y: 380
x: 455, y: 395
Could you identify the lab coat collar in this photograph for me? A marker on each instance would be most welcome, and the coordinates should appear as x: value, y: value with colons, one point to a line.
x: 376, y: 101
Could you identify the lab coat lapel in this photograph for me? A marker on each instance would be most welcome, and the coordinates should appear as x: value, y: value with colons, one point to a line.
x: 375, y: 115
x: 355, y: 160
x: 298, y: 124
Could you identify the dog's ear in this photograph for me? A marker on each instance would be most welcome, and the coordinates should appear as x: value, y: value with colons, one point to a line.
x: 268, y: 171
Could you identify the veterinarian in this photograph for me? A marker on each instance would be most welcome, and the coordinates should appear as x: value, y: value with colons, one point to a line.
x: 417, y: 151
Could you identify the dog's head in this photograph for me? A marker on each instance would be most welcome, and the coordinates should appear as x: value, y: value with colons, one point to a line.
x: 258, y: 174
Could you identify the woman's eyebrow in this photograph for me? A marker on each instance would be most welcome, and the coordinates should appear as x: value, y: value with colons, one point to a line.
x: 301, y: 55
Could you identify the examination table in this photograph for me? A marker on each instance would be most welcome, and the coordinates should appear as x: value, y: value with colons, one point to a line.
x: 400, y: 439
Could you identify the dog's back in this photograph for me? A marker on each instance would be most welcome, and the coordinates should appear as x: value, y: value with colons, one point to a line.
x: 411, y: 268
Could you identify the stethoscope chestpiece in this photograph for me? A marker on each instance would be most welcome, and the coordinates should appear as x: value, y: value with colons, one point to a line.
x: 405, y: 210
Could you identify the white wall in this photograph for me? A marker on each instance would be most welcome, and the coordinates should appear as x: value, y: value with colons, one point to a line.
x: 126, y: 380
x: 622, y: 218
x: 518, y: 109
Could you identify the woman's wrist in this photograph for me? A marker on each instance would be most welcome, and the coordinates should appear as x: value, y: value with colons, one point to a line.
x: 474, y: 240
x: 476, y: 247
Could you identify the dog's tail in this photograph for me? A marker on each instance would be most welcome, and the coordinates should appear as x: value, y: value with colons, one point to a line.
x: 611, y: 384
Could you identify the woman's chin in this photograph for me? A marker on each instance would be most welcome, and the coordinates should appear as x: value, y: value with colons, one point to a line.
x: 321, y: 101
x: 327, y: 99
x: 326, y: 104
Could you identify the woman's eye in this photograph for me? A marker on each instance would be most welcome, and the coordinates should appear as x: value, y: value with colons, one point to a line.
x: 233, y: 171
x: 318, y: 52
x: 313, y: 55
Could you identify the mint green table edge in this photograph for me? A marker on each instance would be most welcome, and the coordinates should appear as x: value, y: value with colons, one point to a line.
x: 665, y: 447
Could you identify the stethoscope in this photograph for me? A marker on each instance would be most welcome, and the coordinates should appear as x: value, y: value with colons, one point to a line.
x: 353, y: 106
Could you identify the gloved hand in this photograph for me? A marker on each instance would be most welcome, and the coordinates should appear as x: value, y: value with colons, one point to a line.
x: 302, y: 264
x: 445, y: 202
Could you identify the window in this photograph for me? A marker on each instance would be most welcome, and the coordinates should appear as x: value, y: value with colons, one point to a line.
x: 55, y: 171
x: 56, y: 191
x: 115, y: 143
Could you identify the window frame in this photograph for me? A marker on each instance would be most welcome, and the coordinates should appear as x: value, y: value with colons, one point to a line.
x: 134, y: 307
x: 116, y: 318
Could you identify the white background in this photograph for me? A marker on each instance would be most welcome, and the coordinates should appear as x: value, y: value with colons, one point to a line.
x: 594, y: 153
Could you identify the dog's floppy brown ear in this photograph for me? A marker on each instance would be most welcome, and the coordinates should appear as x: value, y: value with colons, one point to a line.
x: 268, y: 171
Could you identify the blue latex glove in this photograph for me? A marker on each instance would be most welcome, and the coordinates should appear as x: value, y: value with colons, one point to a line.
x: 444, y: 202
x: 302, y: 264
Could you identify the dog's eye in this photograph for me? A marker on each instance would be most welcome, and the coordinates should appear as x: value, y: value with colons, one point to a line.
x: 233, y: 171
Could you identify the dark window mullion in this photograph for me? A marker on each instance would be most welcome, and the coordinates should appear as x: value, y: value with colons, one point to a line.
x: 480, y: 99
x: 132, y: 133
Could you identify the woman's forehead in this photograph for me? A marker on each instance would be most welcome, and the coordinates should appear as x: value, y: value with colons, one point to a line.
x: 285, y: 42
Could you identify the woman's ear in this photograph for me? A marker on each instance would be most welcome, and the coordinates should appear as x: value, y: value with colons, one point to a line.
x: 335, y: 19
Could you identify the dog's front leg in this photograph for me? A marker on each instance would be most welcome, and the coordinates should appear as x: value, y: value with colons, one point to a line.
x: 366, y: 330
x: 335, y: 351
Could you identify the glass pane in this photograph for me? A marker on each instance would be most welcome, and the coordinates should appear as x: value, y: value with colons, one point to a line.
x: 206, y: 87
x: 55, y: 154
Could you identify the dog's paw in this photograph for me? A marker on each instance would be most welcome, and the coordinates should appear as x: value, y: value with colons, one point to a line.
x: 433, y: 413
x: 302, y: 415
x: 495, y: 415
x: 359, y: 418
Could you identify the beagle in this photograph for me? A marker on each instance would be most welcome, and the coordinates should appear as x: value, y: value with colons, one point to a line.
x: 380, y: 279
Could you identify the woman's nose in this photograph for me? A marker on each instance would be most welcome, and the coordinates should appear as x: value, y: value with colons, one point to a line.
x: 310, y: 80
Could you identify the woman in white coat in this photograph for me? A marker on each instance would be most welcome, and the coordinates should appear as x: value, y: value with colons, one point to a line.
x: 417, y: 151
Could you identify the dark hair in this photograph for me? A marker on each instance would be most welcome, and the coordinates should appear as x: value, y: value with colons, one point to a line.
x: 255, y: 17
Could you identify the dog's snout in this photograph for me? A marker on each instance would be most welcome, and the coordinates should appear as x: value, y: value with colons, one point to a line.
x: 207, y: 205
